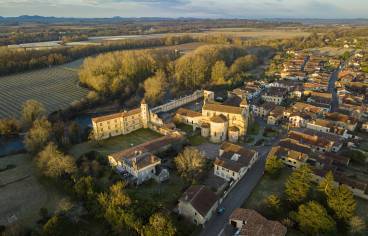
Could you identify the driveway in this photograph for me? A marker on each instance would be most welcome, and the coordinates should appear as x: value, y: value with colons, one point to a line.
x: 210, y: 150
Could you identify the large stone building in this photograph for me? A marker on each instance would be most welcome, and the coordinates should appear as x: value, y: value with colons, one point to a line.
x: 143, y: 117
x: 218, y: 122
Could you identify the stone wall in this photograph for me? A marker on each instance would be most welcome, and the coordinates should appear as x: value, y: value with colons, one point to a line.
x: 178, y: 102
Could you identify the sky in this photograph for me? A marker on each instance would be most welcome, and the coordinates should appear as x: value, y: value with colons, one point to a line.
x: 324, y: 9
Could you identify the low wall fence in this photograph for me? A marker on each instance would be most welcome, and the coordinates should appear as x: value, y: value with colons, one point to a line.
x: 178, y: 102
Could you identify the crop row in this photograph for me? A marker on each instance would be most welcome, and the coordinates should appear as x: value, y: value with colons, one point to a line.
x: 55, y: 87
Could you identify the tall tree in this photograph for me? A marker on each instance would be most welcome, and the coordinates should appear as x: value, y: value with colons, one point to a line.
x: 190, y: 163
x: 53, y: 163
x: 342, y: 202
x: 32, y: 110
x: 155, y: 87
x: 38, y: 136
x: 273, y: 165
x: 313, y: 219
x: 9, y: 127
x: 115, y: 208
x: 357, y: 225
x: 159, y: 225
x: 219, y: 73
x: 327, y: 184
x: 298, y: 184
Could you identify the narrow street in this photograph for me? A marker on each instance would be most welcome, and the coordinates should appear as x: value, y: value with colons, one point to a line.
x: 332, y: 89
x: 239, y: 194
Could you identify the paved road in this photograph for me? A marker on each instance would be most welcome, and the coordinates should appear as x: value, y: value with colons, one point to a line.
x: 332, y: 89
x: 237, y: 195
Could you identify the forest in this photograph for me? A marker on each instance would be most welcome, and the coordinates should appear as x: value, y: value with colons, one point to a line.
x: 161, y: 71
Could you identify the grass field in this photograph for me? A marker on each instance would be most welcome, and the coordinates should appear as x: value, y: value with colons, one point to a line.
x: 21, y: 193
x: 55, y: 87
x: 115, y: 144
x: 267, y: 186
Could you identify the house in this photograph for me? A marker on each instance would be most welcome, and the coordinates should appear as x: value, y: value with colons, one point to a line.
x: 276, y: 115
x: 263, y: 110
x: 327, y: 126
x: 289, y: 154
x: 275, y: 95
x: 140, y: 161
x: 358, y: 187
x: 300, y: 107
x: 118, y: 123
x: 142, y: 166
x: 248, y: 222
x: 319, y: 141
x: 324, y: 99
x: 365, y: 127
x: 234, y: 161
x: 315, y: 142
x: 337, y: 160
x: 343, y: 121
x: 198, y: 203
x: 300, y: 119
x: 250, y: 91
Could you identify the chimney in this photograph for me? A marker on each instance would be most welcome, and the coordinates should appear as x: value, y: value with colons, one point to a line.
x: 152, y: 158
x: 134, y: 163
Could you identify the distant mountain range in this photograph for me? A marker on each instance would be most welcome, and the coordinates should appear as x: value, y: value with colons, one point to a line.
x: 116, y: 19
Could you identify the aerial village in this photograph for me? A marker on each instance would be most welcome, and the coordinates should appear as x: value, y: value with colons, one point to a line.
x: 312, y: 113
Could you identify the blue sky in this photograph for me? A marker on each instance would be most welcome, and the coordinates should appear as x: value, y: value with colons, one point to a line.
x: 188, y: 8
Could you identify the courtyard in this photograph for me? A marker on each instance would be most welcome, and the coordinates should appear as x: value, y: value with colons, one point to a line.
x: 114, y: 144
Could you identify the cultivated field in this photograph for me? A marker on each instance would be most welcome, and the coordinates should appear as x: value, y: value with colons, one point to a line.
x: 55, y: 87
x: 255, y: 33
x: 21, y: 194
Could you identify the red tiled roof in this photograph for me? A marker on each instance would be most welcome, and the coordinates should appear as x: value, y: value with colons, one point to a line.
x: 200, y: 197
x: 254, y: 224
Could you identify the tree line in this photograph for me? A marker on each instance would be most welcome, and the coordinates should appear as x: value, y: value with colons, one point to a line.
x: 18, y: 60
x: 161, y: 71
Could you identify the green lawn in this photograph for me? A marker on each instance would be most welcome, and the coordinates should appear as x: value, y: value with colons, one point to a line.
x: 115, y: 144
x: 267, y: 186
x: 164, y: 195
x: 22, y: 194
x: 184, y: 127
x: 196, y: 140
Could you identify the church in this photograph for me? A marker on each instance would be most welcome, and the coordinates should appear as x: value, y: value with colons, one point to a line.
x: 218, y: 122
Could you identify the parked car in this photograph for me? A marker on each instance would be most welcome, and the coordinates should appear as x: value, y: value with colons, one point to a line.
x: 220, y: 210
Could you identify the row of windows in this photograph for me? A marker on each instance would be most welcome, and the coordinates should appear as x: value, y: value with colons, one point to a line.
x: 125, y: 119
